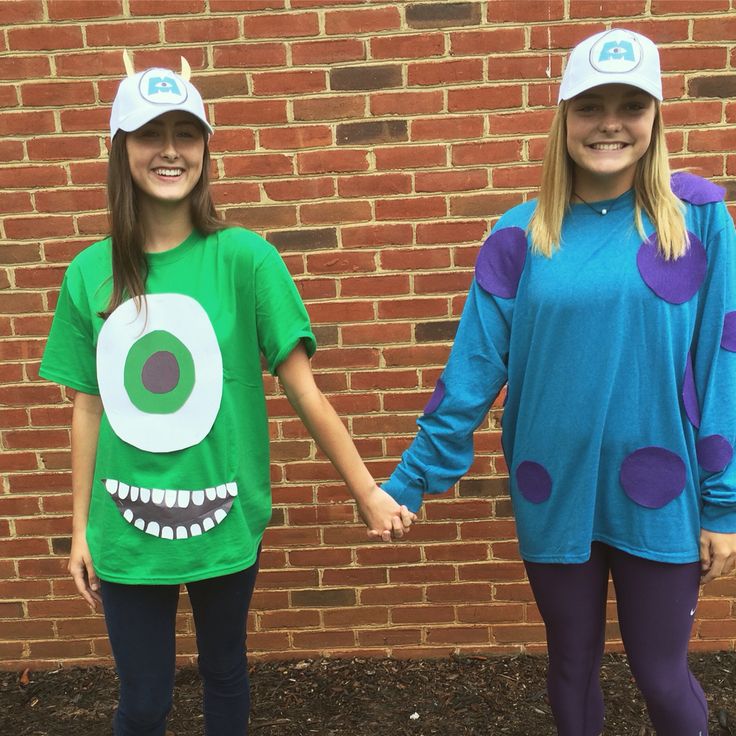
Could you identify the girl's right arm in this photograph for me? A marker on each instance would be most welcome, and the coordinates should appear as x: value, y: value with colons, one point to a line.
x: 85, y: 429
x: 442, y: 451
x: 475, y: 372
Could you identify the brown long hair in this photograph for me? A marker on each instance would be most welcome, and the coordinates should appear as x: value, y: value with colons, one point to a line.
x: 129, y: 265
x: 652, y: 191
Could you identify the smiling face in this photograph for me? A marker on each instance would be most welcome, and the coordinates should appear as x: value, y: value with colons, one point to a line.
x: 609, y: 129
x: 165, y: 157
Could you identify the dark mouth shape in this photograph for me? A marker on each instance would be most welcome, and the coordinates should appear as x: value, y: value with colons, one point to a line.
x: 172, y: 514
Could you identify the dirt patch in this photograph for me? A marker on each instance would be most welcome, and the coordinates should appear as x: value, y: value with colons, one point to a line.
x: 461, y: 696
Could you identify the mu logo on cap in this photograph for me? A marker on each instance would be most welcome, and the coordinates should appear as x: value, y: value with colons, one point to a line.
x: 616, y: 52
x: 160, y: 86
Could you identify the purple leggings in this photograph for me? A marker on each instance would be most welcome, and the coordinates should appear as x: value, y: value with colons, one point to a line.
x: 656, y: 605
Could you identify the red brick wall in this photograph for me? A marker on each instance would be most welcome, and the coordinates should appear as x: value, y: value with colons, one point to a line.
x: 374, y: 143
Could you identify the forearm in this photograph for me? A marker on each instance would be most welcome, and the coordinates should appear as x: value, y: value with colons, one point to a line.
x: 380, y: 513
x: 85, y: 430
x: 333, y: 439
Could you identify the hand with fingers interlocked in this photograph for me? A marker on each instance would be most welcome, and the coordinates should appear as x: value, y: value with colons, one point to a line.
x: 385, y: 519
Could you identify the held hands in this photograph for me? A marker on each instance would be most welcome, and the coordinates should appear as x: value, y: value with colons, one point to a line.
x: 385, y: 519
x: 83, y: 572
x: 717, y: 554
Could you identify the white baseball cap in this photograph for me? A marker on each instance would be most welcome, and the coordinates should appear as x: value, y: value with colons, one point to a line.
x: 144, y: 96
x: 612, y: 56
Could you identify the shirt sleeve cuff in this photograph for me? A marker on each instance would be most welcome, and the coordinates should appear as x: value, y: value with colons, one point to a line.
x: 721, y: 519
x: 405, y: 489
x: 305, y: 337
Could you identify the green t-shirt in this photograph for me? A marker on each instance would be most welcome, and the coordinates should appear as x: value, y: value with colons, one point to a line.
x: 182, y: 482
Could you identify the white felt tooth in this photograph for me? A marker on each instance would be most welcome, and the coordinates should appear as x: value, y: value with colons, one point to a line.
x: 112, y: 486
x: 123, y: 489
x: 211, y: 493
x: 181, y: 532
x: 219, y: 515
x: 134, y: 493
x: 157, y: 495
x: 208, y: 524
x: 139, y: 524
x: 232, y: 488
x: 152, y: 528
x: 183, y: 499
x: 170, y: 499
x: 197, y: 498
x: 222, y: 492
x: 128, y: 515
x: 145, y: 495
x: 167, y: 532
x: 195, y: 530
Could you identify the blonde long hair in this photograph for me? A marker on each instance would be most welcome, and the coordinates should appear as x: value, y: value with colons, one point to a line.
x: 653, y: 194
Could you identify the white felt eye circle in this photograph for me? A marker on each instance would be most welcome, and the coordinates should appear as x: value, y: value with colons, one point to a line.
x: 159, y: 371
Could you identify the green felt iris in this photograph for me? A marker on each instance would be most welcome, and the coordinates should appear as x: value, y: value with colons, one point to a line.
x: 159, y: 373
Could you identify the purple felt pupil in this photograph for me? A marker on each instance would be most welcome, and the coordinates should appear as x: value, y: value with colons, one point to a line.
x: 160, y: 372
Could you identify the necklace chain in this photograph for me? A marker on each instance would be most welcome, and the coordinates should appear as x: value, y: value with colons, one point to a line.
x: 603, y: 211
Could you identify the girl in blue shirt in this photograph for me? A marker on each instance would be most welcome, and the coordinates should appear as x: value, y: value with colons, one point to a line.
x: 607, y: 306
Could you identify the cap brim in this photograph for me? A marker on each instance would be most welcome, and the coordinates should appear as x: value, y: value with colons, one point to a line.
x: 141, y: 117
x: 654, y: 90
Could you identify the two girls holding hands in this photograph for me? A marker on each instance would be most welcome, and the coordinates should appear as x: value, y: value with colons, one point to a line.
x: 607, y: 305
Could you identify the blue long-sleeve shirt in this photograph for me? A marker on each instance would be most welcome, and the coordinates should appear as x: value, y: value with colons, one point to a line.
x: 620, y: 418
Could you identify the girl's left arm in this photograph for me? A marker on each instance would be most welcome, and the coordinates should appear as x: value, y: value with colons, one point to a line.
x: 714, y: 368
x: 380, y: 513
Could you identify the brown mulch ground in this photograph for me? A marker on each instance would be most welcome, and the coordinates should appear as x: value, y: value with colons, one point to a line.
x: 461, y: 696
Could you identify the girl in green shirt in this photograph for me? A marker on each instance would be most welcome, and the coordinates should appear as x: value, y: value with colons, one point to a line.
x: 160, y: 329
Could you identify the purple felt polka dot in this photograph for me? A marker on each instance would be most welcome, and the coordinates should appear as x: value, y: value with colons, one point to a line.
x: 652, y: 476
x: 501, y: 261
x: 533, y: 481
x: 695, y: 189
x: 714, y: 453
x: 674, y: 281
x: 728, y: 338
x: 436, y: 398
x: 689, y: 395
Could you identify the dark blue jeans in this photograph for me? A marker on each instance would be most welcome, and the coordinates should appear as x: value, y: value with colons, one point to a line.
x: 141, y: 621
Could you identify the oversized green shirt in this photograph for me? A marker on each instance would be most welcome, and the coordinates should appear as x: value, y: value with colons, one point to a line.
x: 181, y: 486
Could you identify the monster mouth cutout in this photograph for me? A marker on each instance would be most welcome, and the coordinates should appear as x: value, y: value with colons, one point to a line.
x: 172, y: 514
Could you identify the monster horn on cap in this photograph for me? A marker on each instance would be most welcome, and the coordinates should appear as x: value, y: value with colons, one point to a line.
x: 129, y: 68
x: 186, y: 70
